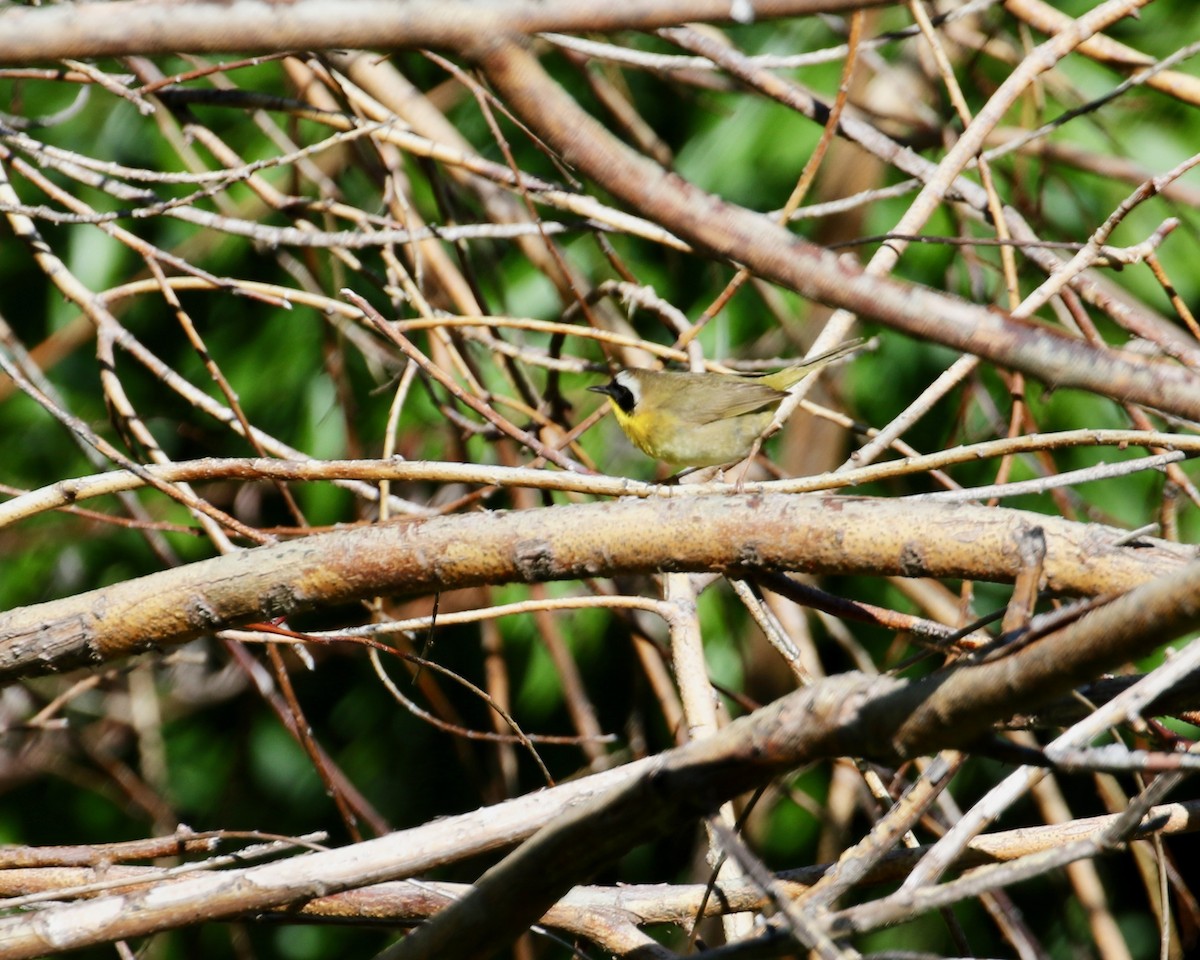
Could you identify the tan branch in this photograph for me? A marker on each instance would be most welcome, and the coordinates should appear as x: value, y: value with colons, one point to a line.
x: 722, y: 533
x: 1044, y: 17
x: 89, y: 30
x: 405, y: 902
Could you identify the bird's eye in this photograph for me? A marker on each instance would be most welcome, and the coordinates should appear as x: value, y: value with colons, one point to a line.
x: 622, y: 396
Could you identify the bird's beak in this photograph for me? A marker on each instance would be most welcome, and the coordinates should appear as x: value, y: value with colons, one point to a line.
x: 606, y: 388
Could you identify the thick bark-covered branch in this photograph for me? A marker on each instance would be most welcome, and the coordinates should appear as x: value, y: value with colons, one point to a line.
x: 830, y: 535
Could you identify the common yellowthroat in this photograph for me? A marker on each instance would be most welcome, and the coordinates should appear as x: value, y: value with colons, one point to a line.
x: 703, y: 419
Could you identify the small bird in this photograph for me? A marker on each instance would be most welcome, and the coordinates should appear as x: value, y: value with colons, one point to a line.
x: 703, y: 419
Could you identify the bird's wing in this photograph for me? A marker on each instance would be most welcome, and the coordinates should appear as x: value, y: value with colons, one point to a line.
x: 699, y: 400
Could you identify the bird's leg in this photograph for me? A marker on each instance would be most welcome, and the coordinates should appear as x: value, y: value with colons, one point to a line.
x: 741, y: 480
x: 696, y: 475
x: 675, y: 478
